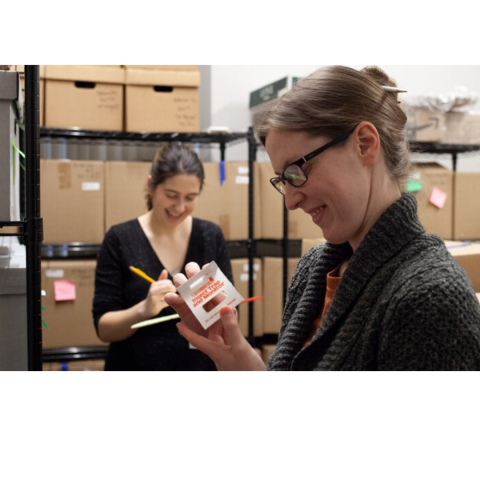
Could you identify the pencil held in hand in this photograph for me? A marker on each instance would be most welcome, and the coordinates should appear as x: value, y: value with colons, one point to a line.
x: 142, y: 274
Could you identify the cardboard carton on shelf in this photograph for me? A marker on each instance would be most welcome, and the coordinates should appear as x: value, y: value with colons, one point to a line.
x: 240, y: 280
x: 226, y: 204
x: 181, y: 68
x: 125, y: 191
x: 162, y: 101
x: 72, y: 198
x: 466, y: 218
x: 69, y: 287
x: 432, y: 186
x: 462, y: 128
x: 273, y: 291
x: 85, y: 97
x: 468, y: 256
x: 300, y: 225
x: 424, y: 125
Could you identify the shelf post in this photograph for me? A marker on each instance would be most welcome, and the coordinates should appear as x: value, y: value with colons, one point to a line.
x: 33, y: 221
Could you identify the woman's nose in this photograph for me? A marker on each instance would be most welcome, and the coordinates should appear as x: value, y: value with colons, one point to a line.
x: 293, y: 197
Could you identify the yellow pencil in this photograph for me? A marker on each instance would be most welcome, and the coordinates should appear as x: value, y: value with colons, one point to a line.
x: 142, y: 274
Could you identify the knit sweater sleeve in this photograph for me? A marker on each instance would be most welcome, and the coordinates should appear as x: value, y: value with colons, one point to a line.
x: 432, y: 327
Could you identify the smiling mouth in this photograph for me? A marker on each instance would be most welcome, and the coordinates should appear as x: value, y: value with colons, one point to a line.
x: 173, y: 216
x: 316, y: 211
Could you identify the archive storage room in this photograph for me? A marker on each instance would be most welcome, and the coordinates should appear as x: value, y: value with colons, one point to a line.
x: 113, y: 178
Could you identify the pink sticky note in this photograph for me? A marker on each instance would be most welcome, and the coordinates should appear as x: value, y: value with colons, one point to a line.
x: 438, y: 197
x: 64, y: 290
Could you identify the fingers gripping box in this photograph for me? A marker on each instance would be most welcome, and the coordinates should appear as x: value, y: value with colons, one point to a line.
x: 202, y: 288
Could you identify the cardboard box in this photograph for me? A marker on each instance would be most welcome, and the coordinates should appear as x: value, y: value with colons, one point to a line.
x: 240, y: 280
x: 462, y: 128
x: 300, y: 225
x: 162, y: 101
x: 273, y: 291
x: 72, y: 200
x: 75, y: 366
x: 164, y: 67
x: 262, y: 97
x: 424, y: 125
x: 466, y: 217
x: 84, y: 97
x: 468, y: 256
x: 227, y: 204
x: 70, y: 322
x: 125, y: 190
x: 267, y: 351
x: 11, y: 111
x: 425, y: 178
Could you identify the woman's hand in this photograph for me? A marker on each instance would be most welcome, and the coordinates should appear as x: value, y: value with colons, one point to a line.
x: 223, y: 342
x: 155, y: 301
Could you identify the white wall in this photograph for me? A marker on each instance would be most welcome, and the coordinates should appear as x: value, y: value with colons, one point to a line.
x: 232, y: 84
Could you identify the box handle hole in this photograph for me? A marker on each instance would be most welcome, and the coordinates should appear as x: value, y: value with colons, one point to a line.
x: 85, y: 84
x: 160, y: 88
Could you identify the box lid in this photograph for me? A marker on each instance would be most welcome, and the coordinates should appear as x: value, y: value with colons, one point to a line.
x: 9, y: 85
x: 84, y: 73
x: 163, y: 67
x: 162, y: 77
x: 272, y: 91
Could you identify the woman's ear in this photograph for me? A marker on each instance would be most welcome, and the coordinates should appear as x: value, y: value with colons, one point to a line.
x: 368, y: 143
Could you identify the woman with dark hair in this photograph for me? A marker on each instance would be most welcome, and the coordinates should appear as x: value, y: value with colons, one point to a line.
x: 160, y: 243
x: 381, y: 294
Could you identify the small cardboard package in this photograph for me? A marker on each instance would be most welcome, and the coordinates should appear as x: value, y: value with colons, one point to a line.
x: 72, y: 198
x: 69, y: 287
x: 162, y: 101
x: 86, y: 97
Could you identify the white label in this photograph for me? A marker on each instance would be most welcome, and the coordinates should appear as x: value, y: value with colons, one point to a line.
x: 54, y: 273
x: 256, y: 267
x: 204, y: 287
x: 242, y: 180
x: 44, y: 293
x: 244, y: 277
x: 90, y: 186
x: 243, y: 170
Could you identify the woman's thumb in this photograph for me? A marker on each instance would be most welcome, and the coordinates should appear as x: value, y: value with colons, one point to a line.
x: 163, y: 275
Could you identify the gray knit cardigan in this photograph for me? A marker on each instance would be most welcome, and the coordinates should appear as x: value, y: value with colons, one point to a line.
x: 403, y: 303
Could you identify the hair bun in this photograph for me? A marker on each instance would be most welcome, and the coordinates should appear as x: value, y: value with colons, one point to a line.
x: 379, y: 76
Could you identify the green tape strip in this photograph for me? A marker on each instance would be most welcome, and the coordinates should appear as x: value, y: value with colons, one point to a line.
x: 15, y: 148
x: 45, y: 324
x: 414, y: 185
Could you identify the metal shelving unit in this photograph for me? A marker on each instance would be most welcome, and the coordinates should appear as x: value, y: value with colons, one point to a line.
x: 30, y: 230
x: 237, y: 249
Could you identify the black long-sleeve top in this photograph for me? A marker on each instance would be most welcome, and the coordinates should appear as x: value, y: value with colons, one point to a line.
x: 157, y: 347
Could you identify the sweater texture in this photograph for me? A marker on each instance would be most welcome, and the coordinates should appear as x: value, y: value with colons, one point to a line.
x: 404, y: 303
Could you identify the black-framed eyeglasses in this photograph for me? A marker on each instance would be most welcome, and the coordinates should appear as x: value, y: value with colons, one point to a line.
x: 293, y: 173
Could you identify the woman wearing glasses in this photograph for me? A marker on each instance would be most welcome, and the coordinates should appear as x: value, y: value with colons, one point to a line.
x: 381, y: 294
